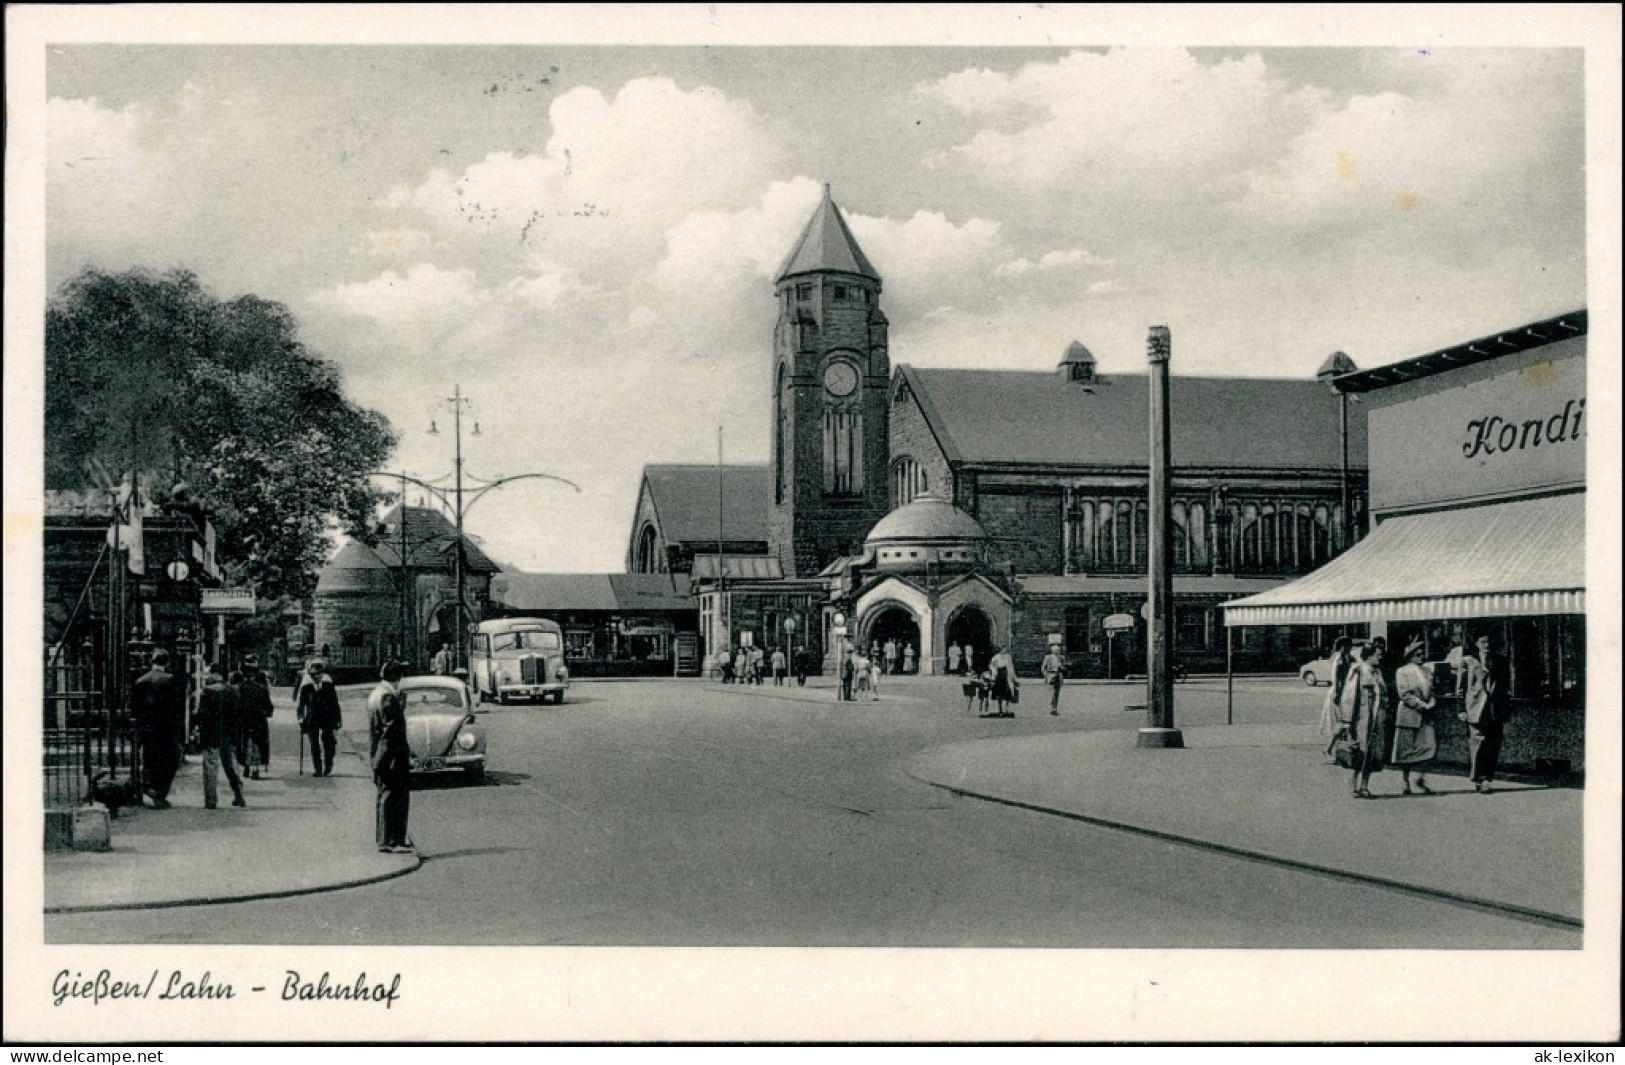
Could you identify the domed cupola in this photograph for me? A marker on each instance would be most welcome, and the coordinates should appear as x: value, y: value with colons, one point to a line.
x: 930, y: 531
x: 355, y: 570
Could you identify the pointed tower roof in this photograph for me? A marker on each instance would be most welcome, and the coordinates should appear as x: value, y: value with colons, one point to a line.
x: 1076, y: 352
x: 1336, y: 364
x: 826, y: 245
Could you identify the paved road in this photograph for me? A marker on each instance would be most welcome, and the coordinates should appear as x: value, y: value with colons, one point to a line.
x: 675, y: 814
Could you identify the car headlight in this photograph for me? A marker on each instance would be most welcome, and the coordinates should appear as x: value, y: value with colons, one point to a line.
x: 467, y: 741
x: 562, y: 673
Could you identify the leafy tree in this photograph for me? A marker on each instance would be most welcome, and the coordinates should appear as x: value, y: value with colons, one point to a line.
x: 151, y: 373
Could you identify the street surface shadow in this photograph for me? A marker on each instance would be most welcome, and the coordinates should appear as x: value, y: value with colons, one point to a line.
x: 454, y: 782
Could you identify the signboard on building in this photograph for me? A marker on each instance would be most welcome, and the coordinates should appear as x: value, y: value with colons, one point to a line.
x: 1486, y: 430
x: 239, y: 601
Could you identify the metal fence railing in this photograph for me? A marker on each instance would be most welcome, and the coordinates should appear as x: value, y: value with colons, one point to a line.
x: 100, y: 760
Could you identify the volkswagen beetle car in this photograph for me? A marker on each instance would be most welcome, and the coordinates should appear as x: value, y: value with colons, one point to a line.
x: 441, y: 729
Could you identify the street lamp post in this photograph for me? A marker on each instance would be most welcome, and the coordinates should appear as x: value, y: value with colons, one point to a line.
x: 1159, y: 730
x: 460, y: 508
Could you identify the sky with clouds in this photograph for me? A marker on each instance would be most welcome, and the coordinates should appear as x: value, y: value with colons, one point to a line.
x: 584, y: 238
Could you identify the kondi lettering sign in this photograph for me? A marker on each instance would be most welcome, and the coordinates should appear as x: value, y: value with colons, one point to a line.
x: 1487, y: 430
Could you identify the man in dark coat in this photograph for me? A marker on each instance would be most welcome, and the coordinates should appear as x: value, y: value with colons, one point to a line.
x: 318, y: 707
x: 391, y: 760
x: 218, y: 725
x: 255, y: 693
x: 160, y: 710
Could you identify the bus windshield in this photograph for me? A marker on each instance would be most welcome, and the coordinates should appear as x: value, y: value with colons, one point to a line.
x: 525, y: 640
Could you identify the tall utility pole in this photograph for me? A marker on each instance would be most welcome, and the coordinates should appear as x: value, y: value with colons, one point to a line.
x: 459, y: 508
x: 1160, y: 730
x: 727, y: 639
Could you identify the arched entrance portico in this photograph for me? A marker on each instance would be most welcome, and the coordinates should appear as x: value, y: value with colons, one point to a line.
x: 890, y: 621
x: 971, y: 628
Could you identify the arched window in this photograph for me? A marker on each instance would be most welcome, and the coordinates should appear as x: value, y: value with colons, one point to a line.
x: 1248, y: 536
x: 781, y: 435
x: 1105, y: 535
x: 1083, y: 533
x: 843, y: 448
x: 1198, y: 535
x: 646, y: 559
x: 1142, y: 534
x: 1321, y: 533
x: 1269, y: 538
x: 908, y: 480
x: 1182, y: 535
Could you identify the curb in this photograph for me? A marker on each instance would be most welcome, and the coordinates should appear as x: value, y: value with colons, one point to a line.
x: 255, y: 896
x: 1455, y: 898
x: 282, y: 893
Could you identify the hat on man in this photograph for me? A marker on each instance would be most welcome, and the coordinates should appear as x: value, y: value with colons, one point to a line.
x: 1413, y: 647
x: 251, y: 660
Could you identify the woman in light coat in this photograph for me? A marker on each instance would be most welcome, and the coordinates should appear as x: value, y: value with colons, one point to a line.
x: 1415, y: 743
x: 1369, y: 723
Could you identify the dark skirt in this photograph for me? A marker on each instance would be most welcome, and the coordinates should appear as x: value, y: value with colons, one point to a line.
x: 1002, y: 689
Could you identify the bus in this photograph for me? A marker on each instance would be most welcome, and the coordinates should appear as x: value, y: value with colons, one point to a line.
x: 518, y: 658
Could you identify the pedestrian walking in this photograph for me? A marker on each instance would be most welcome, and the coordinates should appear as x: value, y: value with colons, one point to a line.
x: 440, y: 664
x: 1415, y: 742
x: 890, y: 652
x: 1481, y: 684
x: 218, y: 725
x: 777, y: 661
x: 976, y: 690
x: 955, y: 659
x: 1004, y: 681
x: 1054, y: 671
x: 908, y: 658
x: 160, y: 711
x: 970, y: 661
x: 860, y: 675
x: 391, y: 759
x: 1334, y: 721
x: 758, y: 665
x: 849, y: 668
x: 801, y: 659
x: 1369, y: 722
x: 742, y: 665
x: 317, y: 706
x: 255, y: 694
x: 874, y: 679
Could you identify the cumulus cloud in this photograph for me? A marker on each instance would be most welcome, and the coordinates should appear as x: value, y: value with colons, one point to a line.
x: 1057, y: 259
x: 613, y: 176
x: 1143, y: 121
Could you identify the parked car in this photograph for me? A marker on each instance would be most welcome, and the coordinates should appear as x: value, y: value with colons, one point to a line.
x: 1320, y: 671
x: 441, y: 729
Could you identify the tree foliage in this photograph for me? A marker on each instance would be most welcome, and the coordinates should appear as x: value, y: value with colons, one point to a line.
x: 151, y: 373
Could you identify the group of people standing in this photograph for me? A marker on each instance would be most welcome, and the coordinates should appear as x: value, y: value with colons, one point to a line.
x: 997, y: 683
x: 1387, y: 715
x: 231, y: 728
x: 753, y: 665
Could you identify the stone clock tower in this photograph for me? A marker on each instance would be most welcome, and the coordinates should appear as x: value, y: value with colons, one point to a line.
x: 831, y: 377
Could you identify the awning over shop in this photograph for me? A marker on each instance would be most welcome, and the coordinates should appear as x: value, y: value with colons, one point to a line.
x: 1524, y: 557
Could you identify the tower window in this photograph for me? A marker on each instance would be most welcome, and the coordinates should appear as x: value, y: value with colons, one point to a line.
x: 843, y: 448
x: 840, y: 292
x: 804, y: 292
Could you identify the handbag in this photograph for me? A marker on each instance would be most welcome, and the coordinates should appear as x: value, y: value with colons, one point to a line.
x: 1015, y: 691
x: 1346, y: 752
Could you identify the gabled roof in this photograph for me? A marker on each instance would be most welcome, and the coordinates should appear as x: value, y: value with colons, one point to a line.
x: 1031, y: 418
x: 430, y: 537
x: 826, y: 245
x: 685, y: 503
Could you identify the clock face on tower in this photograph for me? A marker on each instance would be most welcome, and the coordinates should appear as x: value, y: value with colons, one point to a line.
x: 841, y: 379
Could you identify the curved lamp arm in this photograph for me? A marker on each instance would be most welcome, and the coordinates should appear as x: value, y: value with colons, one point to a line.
x: 500, y: 481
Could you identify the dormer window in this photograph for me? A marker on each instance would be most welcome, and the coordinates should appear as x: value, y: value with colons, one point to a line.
x: 1081, y: 371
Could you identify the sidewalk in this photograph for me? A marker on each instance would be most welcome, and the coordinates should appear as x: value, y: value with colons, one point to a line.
x: 299, y: 834
x: 1266, y: 792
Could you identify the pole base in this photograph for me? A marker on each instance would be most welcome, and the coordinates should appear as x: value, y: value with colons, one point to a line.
x: 1160, y: 738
